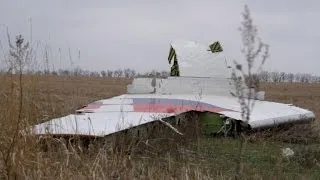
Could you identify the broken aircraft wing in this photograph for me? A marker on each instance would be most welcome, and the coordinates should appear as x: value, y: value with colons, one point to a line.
x: 108, y: 116
x: 203, y: 85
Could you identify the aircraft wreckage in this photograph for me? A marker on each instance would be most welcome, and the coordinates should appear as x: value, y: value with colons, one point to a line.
x: 199, y: 82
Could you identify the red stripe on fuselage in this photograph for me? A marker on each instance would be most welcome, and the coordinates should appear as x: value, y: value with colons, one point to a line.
x: 162, y: 108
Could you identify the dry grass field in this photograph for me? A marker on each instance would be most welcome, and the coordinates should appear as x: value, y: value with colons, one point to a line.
x: 45, y: 97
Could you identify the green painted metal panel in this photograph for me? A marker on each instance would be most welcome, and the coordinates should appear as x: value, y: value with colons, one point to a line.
x: 211, y: 122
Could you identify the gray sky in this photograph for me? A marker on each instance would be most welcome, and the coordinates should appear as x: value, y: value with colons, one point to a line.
x: 137, y: 34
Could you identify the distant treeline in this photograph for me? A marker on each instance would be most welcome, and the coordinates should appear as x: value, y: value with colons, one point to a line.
x: 264, y: 76
x: 126, y: 73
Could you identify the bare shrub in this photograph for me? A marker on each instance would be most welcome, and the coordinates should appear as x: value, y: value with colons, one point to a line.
x: 243, y: 77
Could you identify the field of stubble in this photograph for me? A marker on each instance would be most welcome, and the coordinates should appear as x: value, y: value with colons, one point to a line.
x: 213, y: 158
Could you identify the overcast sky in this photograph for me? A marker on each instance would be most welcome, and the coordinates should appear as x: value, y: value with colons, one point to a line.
x: 137, y: 34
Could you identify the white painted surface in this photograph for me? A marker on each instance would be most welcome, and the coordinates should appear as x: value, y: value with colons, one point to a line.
x: 95, y: 124
x: 195, y: 60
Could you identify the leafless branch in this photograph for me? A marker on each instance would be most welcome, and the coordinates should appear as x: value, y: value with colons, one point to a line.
x: 243, y: 79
